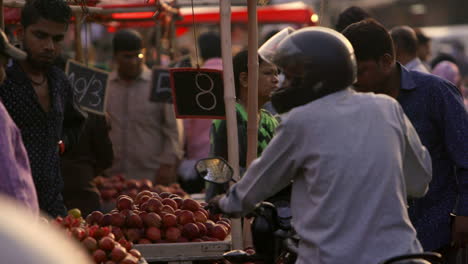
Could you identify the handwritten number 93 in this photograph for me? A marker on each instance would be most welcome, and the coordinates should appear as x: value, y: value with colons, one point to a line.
x: 82, y: 87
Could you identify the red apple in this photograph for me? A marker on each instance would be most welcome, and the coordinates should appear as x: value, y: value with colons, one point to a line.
x: 209, y: 225
x: 90, y: 244
x: 202, y: 229
x: 166, y: 209
x: 134, y: 220
x: 153, y: 233
x: 191, y: 231
x: 132, y: 183
x: 94, y: 218
x: 190, y: 205
x: 197, y: 240
x: 106, y: 243
x: 107, y: 194
x: 215, y: 217
x: 144, y: 241
x: 228, y: 226
x: 227, y: 220
x: 133, y: 234
x: 106, y: 220
x: 177, y: 212
x: 99, y: 256
x: 219, y: 232
x: 153, y: 205
x: 172, y: 234
x: 124, y: 202
x: 152, y: 219
x: 170, y: 202
x: 169, y: 220
x: 164, y: 195
x: 186, y: 217
x: 79, y: 233
x: 200, y: 216
x: 179, y: 201
x: 126, y: 244
x: 135, y: 253
x: 118, y: 233
x: 118, y: 253
x: 144, y: 193
x: 146, y: 184
x: 205, y: 212
x: 118, y: 219
x: 126, y: 212
x: 142, y: 199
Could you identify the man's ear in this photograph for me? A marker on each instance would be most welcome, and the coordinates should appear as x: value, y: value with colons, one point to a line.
x: 387, y: 61
x: 243, y: 79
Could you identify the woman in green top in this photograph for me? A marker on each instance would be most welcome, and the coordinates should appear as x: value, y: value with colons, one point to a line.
x: 267, y: 82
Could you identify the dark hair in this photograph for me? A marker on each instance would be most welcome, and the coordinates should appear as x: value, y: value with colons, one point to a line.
x: 349, y: 16
x: 442, y: 57
x: 422, y: 38
x: 240, y: 65
x: 210, y: 45
x: 370, y: 40
x: 53, y: 10
x: 127, y: 40
x: 404, y: 39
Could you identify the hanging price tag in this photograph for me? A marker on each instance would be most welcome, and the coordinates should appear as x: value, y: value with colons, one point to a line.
x: 198, y: 93
x: 89, y: 86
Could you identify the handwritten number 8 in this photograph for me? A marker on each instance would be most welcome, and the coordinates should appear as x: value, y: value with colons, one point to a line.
x: 203, y: 91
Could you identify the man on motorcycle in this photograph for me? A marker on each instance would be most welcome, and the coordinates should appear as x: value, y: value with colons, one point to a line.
x: 353, y: 158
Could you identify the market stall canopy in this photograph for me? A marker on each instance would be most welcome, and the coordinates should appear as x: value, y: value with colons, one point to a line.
x: 290, y: 13
x: 138, y: 14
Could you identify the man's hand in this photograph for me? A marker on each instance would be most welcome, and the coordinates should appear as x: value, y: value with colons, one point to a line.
x: 166, y: 174
x: 460, y: 231
x: 213, y: 205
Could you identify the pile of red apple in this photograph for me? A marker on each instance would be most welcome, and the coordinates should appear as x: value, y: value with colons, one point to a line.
x: 112, y: 187
x: 100, y: 241
x: 161, y: 218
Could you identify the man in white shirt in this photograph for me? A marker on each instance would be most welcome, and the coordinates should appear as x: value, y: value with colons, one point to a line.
x: 406, y: 48
x: 353, y: 158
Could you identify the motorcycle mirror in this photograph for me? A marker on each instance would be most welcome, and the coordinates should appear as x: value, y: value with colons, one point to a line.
x: 215, y: 170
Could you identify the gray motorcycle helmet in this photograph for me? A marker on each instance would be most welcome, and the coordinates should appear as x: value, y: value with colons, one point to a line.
x: 316, y: 61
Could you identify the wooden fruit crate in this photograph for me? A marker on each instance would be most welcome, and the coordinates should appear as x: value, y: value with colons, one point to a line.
x: 184, y: 252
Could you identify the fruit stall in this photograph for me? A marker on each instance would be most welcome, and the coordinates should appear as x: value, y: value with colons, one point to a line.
x: 156, y: 227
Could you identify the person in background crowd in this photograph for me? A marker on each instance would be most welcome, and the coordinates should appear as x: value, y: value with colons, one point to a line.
x: 40, y: 100
x: 197, y: 131
x: 436, y: 110
x: 406, y: 48
x: 15, y: 174
x: 353, y: 158
x: 82, y: 164
x: 440, y: 58
x: 450, y: 72
x: 424, y: 46
x: 144, y: 134
x: 267, y: 82
x: 349, y: 16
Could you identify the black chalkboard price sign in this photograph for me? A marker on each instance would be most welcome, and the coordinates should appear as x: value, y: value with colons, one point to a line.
x: 198, y: 93
x: 89, y: 85
x: 161, y: 86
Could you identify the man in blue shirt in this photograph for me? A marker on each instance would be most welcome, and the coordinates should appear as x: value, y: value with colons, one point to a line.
x: 435, y: 108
